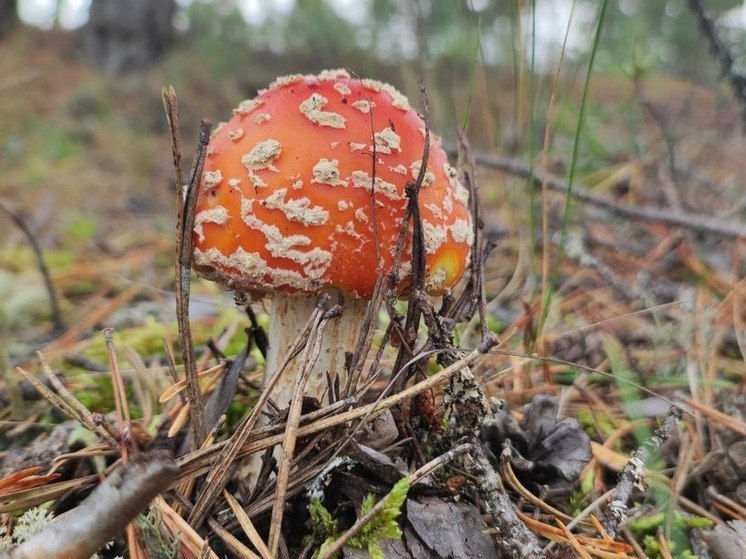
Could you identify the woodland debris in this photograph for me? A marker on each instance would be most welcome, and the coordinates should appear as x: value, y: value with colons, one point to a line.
x: 104, y: 514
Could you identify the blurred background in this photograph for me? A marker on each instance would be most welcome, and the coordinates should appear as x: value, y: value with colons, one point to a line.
x: 85, y: 155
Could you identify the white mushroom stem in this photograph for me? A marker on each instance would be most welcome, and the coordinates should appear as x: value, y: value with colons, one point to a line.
x: 288, y: 316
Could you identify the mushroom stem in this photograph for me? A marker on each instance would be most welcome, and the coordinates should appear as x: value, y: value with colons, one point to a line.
x: 288, y: 316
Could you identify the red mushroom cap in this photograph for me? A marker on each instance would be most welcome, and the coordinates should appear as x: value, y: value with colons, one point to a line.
x: 285, y: 199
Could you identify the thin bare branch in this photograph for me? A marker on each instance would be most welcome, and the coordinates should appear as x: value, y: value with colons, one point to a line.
x: 59, y: 324
x: 184, y: 227
x: 171, y: 106
x: 722, y: 53
x: 200, y: 461
x: 694, y: 222
x: 633, y: 473
x: 64, y: 402
x: 105, y: 513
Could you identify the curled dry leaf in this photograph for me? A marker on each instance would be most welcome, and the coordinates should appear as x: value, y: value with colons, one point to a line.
x: 548, y: 453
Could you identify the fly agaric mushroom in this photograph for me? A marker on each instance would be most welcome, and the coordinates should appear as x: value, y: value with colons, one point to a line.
x: 286, y: 207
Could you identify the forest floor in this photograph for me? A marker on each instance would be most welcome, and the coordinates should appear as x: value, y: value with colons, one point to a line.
x: 632, y: 309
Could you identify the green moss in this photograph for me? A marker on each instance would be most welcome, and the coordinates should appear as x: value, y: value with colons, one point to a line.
x: 382, y: 525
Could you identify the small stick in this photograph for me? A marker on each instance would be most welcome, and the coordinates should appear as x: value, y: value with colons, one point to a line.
x: 171, y: 105
x: 418, y: 251
x: 686, y: 220
x: 633, y: 474
x: 247, y: 525
x: 513, y: 537
x: 184, y: 227
x: 475, y: 287
x: 59, y: 324
x: 105, y: 513
x: 120, y: 396
x: 67, y: 404
x: 367, y: 331
x: 722, y: 53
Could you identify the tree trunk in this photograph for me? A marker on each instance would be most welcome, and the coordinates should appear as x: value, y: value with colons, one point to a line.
x: 8, y: 17
x: 126, y: 35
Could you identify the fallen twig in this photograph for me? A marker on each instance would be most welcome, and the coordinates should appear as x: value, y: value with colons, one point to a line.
x: 59, y: 324
x: 66, y: 402
x: 694, y: 222
x: 104, y: 514
x: 253, y: 441
x: 225, y: 462
x: 187, y: 201
x: 513, y: 536
x: 633, y: 473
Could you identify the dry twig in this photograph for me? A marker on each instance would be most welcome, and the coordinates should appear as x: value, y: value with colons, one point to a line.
x: 200, y: 461
x: 225, y: 463
x: 59, y: 324
x: 633, y: 473
x: 513, y: 537
x: 184, y: 226
x: 698, y: 223
x: 105, y: 513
